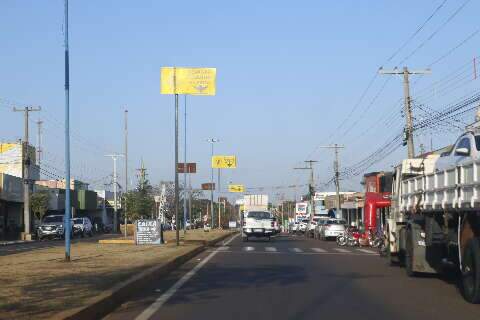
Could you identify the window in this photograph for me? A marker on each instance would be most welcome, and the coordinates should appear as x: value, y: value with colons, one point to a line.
x: 259, y: 215
x: 464, y: 143
x: 477, y: 142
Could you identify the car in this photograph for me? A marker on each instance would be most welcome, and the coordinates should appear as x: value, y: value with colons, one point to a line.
x: 82, y: 226
x: 51, y: 227
x: 332, y: 228
x: 257, y: 224
x: 302, y: 227
x: 292, y: 227
x: 320, y: 223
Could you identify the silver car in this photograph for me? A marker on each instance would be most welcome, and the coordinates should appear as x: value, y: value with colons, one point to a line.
x: 332, y: 228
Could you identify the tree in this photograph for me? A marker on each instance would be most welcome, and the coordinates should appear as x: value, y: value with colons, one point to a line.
x: 39, y: 203
x: 140, y: 202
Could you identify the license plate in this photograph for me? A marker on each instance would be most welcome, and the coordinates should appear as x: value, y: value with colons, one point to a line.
x: 257, y: 230
x: 421, y: 243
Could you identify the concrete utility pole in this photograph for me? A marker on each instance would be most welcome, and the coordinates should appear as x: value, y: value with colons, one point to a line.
x: 114, y: 157
x: 407, y: 104
x: 177, y: 222
x: 185, y: 191
x: 68, y: 204
x: 126, y: 172
x: 336, y: 166
x: 39, y: 142
x: 311, y: 190
x: 212, y: 141
x: 27, y: 183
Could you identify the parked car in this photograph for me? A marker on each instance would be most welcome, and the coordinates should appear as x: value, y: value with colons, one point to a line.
x: 303, y: 225
x: 51, y: 227
x: 257, y: 224
x: 82, y: 226
x: 292, y: 227
x: 318, y: 227
x: 332, y: 228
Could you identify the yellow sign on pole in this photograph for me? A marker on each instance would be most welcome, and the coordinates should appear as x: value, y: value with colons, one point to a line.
x: 236, y: 188
x: 224, y: 162
x: 193, y: 81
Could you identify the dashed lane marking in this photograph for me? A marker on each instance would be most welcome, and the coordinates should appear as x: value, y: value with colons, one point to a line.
x: 366, y: 251
x: 296, y: 249
x: 270, y: 249
x: 248, y: 248
x: 319, y: 250
x: 342, y: 250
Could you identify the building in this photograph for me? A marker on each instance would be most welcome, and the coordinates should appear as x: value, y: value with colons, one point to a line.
x: 11, y: 206
x: 12, y: 160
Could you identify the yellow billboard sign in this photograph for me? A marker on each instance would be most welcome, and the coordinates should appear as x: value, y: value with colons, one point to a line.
x: 236, y: 188
x: 224, y: 162
x: 193, y: 81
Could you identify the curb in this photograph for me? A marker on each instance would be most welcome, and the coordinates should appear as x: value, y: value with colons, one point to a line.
x: 14, y: 242
x: 109, y: 300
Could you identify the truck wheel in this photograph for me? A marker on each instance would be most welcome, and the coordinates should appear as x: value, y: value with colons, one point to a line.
x: 471, y: 271
x: 409, y: 254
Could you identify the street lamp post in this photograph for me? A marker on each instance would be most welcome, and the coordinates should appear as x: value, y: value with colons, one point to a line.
x: 212, y: 141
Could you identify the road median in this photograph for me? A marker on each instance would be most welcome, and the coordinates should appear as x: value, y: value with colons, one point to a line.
x: 38, y: 284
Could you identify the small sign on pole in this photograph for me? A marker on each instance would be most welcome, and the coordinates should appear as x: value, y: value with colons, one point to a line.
x: 191, y: 167
x: 208, y: 186
x: 236, y: 188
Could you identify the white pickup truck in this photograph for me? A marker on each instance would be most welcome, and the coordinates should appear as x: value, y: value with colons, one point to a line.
x: 257, y: 224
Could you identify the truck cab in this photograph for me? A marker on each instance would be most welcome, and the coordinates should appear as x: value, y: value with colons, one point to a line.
x: 465, y: 148
x: 257, y: 224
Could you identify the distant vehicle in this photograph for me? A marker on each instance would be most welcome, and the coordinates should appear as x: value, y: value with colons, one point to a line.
x: 320, y: 223
x: 303, y: 225
x: 332, y: 228
x: 257, y: 224
x: 276, y: 227
x: 293, y: 226
x: 51, y: 227
x: 82, y: 226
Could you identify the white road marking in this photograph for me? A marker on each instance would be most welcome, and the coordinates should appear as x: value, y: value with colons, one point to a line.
x: 248, y: 248
x: 223, y: 248
x: 342, y: 250
x: 366, y: 251
x: 320, y: 250
x: 271, y: 249
x: 296, y: 249
x: 160, y: 301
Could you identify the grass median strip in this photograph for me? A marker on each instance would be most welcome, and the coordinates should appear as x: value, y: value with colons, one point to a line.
x: 38, y: 284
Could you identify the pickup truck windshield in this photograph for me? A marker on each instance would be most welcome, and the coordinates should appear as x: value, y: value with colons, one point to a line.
x: 259, y: 215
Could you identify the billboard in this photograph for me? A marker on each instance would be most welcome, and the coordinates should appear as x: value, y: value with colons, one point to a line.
x: 301, y: 208
x: 236, y: 188
x: 208, y: 186
x: 193, y: 81
x: 191, y: 167
x: 11, y: 156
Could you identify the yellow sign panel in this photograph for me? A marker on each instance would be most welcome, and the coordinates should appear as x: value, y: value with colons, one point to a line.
x: 224, y: 162
x: 194, y: 81
x: 236, y: 188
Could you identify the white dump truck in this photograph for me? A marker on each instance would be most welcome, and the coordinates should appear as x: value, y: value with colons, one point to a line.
x: 434, y: 222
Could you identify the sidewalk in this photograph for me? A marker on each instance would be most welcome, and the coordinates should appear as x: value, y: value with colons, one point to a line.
x: 39, y: 284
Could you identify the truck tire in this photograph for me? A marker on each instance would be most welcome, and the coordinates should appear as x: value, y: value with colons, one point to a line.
x: 408, y: 259
x: 471, y: 271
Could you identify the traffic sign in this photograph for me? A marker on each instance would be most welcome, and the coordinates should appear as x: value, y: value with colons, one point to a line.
x: 236, y: 188
x: 224, y: 162
x: 193, y: 81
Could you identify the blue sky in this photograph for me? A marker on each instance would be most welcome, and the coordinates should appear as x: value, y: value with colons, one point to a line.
x: 288, y: 74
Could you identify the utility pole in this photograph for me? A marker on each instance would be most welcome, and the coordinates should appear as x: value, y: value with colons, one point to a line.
x: 27, y: 183
x: 39, y: 142
x: 68, y: 205
x: 185, y: 191
x: 311, y: 190
x: 177, y: 223
x: 126, y: 172
x: 114, y: 157
x: 336, y: 166
x: 212, y: 141
x: 407, y: 105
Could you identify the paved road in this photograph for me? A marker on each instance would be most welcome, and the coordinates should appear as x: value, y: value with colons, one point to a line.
x: 6, y: 250
x: 294, y: 278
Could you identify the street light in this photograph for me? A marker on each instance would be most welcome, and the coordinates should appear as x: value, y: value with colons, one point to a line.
x: 212, y: 141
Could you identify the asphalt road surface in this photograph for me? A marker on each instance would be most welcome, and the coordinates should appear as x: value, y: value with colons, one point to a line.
x: 291, y: 277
